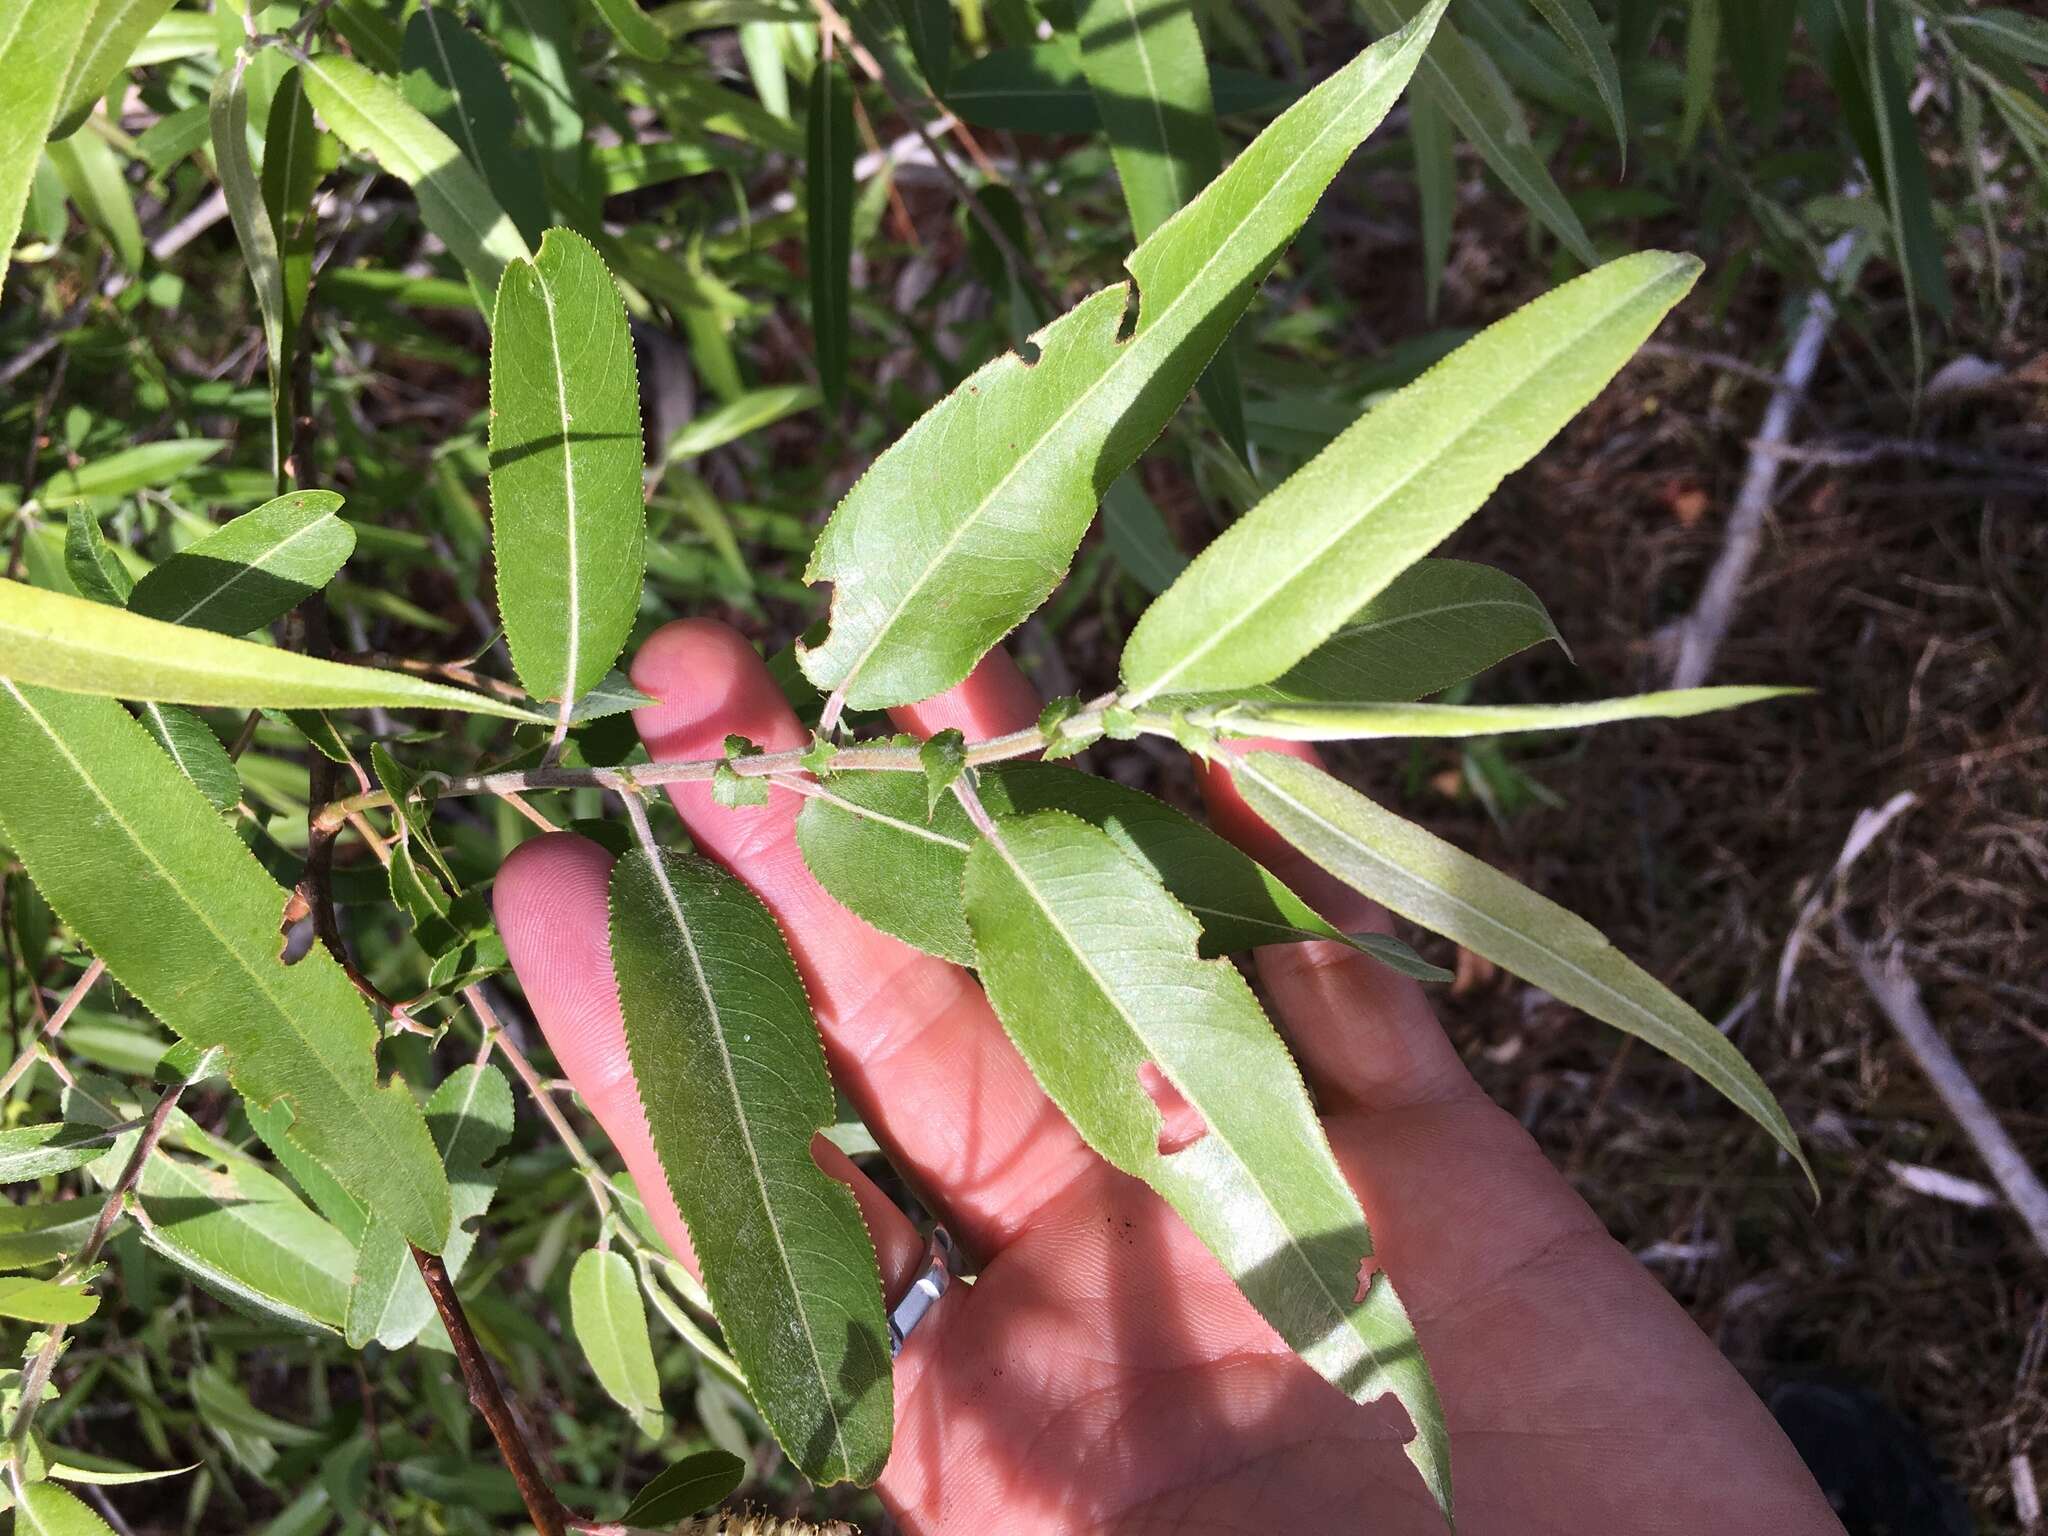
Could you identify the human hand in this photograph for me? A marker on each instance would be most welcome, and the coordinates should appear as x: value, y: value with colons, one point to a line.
x: 1103, y: 1374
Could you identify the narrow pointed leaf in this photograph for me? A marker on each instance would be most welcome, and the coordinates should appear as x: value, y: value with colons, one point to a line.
x: 242, y: 185
x: 732, y: 1075
x: 138, y: 865
x: 253, y: 569
x: 44, y: 1301
x: 296, y: 155
x: 1462, y: 80
x: 1437, y: 623
x: 61, y: 641
x: 566, y: 515
x: 1580, y: 30
x: 130, y: 469
x: 470, y: 1115
x: 610, y: 1323
x: 961, y: 529
x: 1436, y: 190
x: 868, y: 840
x: 113, y: 29
x: 452, y: 76
x: 692, y: 1484
x: 1092, y: 968
x: 38, y: 41
x: 1150, y: 76
x: 1426, y: 880
x: 92, y: 175
x: 828, y: 217
x: 1374, y: 721
x: 372, y: 117
x: 1287, y: 575
x: 190, y: 743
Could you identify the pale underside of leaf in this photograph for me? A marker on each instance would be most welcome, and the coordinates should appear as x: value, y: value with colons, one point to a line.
x: 1375, y: 721
x: 969, y: 520
x: 1093, y: 970
x: 1423, y: 878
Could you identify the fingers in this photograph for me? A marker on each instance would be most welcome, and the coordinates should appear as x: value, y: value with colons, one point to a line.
x: 910, y: 1039
x: 1365, y: 1035
x: 995, y: 700
x: 552, y: 909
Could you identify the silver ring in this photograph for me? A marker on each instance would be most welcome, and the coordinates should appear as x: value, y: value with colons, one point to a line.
x: 940, y: 1258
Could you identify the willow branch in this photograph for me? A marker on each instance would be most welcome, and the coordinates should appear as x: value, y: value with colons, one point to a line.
x: 65, y: 1009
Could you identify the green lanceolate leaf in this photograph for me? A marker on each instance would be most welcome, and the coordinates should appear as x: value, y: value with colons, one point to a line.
x: 470, y: 1115
x: 566, y: 515
x: 128, y: 470
x: 296, y: 154
x: 90, y: 563
x: 1378, y: 721
x: 867, y: 838
x: 1150, y: 77
x: 610, y: 1323
x: 732, y: 1075
x: 1287, y: 575
x: 1464, y: 82
x: 1426, y: 880
x: 1437, y: 623
x: 1574, y: 22
x: 190, y: 743
x: 452, y: 76
x: 92, y: 175
x: 1092, y: 968
x: 1436, y: 190
x: 61, y: 641
x: 695, y: 1483
x: 113, y: 29
x: 961, y: 529
x: 245, y: 1237
x: 39, y: 39
x: 47, y: 1510
x: 372, y: 117
x: 33, y: 1151
x: 253, y: 569
x: 242, y: 185
x: 828, y: 214
x: 143, y: 871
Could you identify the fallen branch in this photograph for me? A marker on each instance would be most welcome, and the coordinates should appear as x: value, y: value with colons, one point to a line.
x: 1898, y: 999
x: 1697, y: 637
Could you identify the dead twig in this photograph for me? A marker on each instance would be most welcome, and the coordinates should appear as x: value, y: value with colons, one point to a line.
x: 1898, y: 999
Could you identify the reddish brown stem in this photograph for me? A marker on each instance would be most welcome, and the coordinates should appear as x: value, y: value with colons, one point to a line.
x: 542, y: 1507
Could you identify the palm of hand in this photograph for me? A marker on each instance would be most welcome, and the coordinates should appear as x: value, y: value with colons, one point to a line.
x: 1103, y: 1374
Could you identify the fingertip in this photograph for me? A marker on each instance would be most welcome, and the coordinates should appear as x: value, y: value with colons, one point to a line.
x: 708, y: 683
x: 995, y: 699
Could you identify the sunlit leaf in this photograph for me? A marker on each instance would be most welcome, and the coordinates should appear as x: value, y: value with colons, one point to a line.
x: 190, y: 743
x: 1286, y: 575
x: 961, y: 529
x: 452, y: 76
x: 44, y: 1301
x: 47, y: 1510
x: 1331, y: 721
x: 61, y: 641
x: 141, y: 868
x: 611, y: 1326
x: 372, y: 117
x: 129, y: 469
x: 630, y: 25
x: 34, y: 1151
x: 90, y: 563
x: 242, y: 185
x: 1574, y: 22
x: 45, y: 1231
x: 252, y: 569
x: 1092, y: 968
x: 567, y: 522
x: 1426, y: 880
x: 91, y: 172
x: 732, y: 1074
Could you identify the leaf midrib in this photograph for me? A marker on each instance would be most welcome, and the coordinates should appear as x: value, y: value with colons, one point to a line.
x: 660, y: 868
x: 575, y: 651
x: 1120, y: 361
x: 1248, y: 765
x: 1338, y: 1309
x: 1255, y: 608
